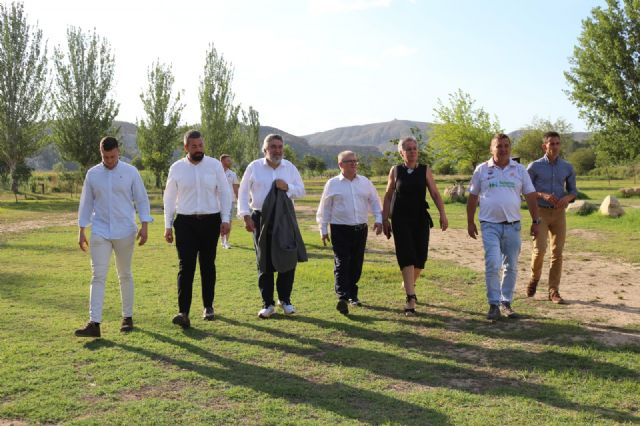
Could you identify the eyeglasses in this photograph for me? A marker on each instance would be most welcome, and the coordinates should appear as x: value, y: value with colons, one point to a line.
x: 350, y: 161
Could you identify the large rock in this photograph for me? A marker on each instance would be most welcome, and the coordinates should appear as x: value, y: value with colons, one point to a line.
x: 456, y: 192
x: 630, y: 192
x: 581, y: 207
x: 611, y: 207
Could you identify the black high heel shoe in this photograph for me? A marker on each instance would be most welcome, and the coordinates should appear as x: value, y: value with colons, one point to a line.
x: 410, y: 311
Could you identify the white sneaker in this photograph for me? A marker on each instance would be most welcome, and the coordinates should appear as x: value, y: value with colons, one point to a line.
x: 226, y: 245
x: 287, y: 308
x: 267, y: 312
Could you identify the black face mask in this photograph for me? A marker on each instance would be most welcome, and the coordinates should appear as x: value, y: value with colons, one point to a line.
x: 198, y: 156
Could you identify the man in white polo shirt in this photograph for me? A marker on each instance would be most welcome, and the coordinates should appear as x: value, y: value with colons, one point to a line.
x: 498, y: 184
x: 344, y: 204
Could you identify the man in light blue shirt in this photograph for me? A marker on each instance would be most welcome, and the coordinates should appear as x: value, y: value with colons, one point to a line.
x: 555, y: 183
x: 111, y: 193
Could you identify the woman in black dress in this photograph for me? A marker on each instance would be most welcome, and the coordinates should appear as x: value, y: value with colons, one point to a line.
x: 405, y: 204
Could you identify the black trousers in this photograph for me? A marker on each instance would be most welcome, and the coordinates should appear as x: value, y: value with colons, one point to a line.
x: 196, y: 239
x: 284, y: 282
x: 348, y: 255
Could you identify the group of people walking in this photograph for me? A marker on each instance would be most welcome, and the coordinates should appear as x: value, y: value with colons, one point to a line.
x: 199, y: 201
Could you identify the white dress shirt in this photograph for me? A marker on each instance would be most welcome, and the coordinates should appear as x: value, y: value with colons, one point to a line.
x: 499, y: 190
x: 347, y: 202
x: 109, y: 200
x: 200, y: 188
x: 256, y: 184
x: 232, y: 178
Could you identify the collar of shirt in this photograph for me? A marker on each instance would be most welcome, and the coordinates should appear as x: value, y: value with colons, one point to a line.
x: 492, y: 163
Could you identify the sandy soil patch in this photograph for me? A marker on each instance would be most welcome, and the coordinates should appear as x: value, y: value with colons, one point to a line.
x: 45, y: 221
x: 603, y: 294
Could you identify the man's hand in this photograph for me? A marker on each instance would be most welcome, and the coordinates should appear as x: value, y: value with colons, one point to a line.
x: 472, y: 230
x: 282, y: 185
x: 224, y: 228
x: 444, y: 222
x: 248, y: 224
x: 142, y: 234
x: 563, y: 202
x: 82, y: 240
x: 377, y: 227
x: 168, y: 235
x: 549, y: 198
x: 325, y: 238
x: 534, y: 230
x: 386, y: 228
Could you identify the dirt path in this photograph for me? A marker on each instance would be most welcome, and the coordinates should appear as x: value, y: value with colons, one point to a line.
x: 601, y: 293
x: 47, y: 220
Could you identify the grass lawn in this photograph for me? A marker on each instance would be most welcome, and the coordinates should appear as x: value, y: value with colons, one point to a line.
x: 447, y: 365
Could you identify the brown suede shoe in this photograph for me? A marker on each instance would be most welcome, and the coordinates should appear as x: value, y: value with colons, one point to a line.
x: 531, y: 288
x: 92, y: 329
x: 127, y: 324
x: 554, y: 296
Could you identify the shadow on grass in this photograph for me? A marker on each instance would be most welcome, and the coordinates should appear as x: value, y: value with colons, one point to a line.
x: 617, y: 308
x: 441, y: 372
x: 344, y: 400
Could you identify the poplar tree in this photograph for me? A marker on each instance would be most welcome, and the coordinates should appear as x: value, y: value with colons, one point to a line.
x: 84, y: 107
x: 23, y: 89
x: 159, y: 132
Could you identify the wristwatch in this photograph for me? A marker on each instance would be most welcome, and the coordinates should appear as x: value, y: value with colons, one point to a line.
x: 537, y: 221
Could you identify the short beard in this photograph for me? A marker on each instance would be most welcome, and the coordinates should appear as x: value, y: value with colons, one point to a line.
x: 198, y: 156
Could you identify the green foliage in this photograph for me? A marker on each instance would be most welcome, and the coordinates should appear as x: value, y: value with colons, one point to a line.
x: 158, y: 133
x: 583, y: 160
x: 313, y: 164
x: 226, y: 128
x: 462, y: 132
x: 84, y: 107
x: 605, y: 74
x: 23, y: 90
x: 529, y: 145
x: 291, y: 155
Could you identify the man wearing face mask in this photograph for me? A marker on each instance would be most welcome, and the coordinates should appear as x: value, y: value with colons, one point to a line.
x: 255, y: 187
x: 107, y: 204
x: 198, y: 194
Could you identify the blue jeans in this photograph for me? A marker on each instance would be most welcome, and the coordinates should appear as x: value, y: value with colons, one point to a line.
x: 501, y: 250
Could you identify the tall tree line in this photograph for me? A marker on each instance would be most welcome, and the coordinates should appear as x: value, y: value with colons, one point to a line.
x: 82, y: 108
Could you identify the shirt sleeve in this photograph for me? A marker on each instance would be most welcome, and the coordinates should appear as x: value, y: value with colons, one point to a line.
x: 531, y: 169
x: 474, y: 185
x: 323, y: 215
x: 170, y: 198
x: 85, y: 209
x: 243, y: 192
x: 235, y: 179
x: 224, y: 193
x: 141, y: 198
x: 527, y: 185
x: 374, y: 203
x: 571, y: 187
x: 296, y: 186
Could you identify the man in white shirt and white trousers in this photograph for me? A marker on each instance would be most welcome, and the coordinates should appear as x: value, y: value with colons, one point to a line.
x: 197, y: 193
x: 111, y: 193
x: 344, y: 205
x: 254, y: 187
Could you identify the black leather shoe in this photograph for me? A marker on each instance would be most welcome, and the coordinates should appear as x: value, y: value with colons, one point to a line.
x: 342, y: 307
x: 182, y: 320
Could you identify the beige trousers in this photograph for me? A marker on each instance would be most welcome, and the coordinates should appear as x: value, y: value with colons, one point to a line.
x: 553, y: 229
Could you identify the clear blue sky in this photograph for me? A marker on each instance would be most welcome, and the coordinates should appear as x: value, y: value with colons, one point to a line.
x: 315, y: 65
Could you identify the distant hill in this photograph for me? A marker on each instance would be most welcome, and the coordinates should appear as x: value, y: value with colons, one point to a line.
x: 367, y: 140
x: 375, y: 134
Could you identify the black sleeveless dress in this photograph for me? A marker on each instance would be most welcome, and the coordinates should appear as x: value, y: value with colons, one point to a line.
x: 410, y: 219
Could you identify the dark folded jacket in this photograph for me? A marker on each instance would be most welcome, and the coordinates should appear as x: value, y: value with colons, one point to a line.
x: 279, y: 217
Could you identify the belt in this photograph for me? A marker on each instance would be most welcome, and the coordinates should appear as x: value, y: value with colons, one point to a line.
x: 546, y: 207
x: 198, y: 216
x: 506, y: 222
